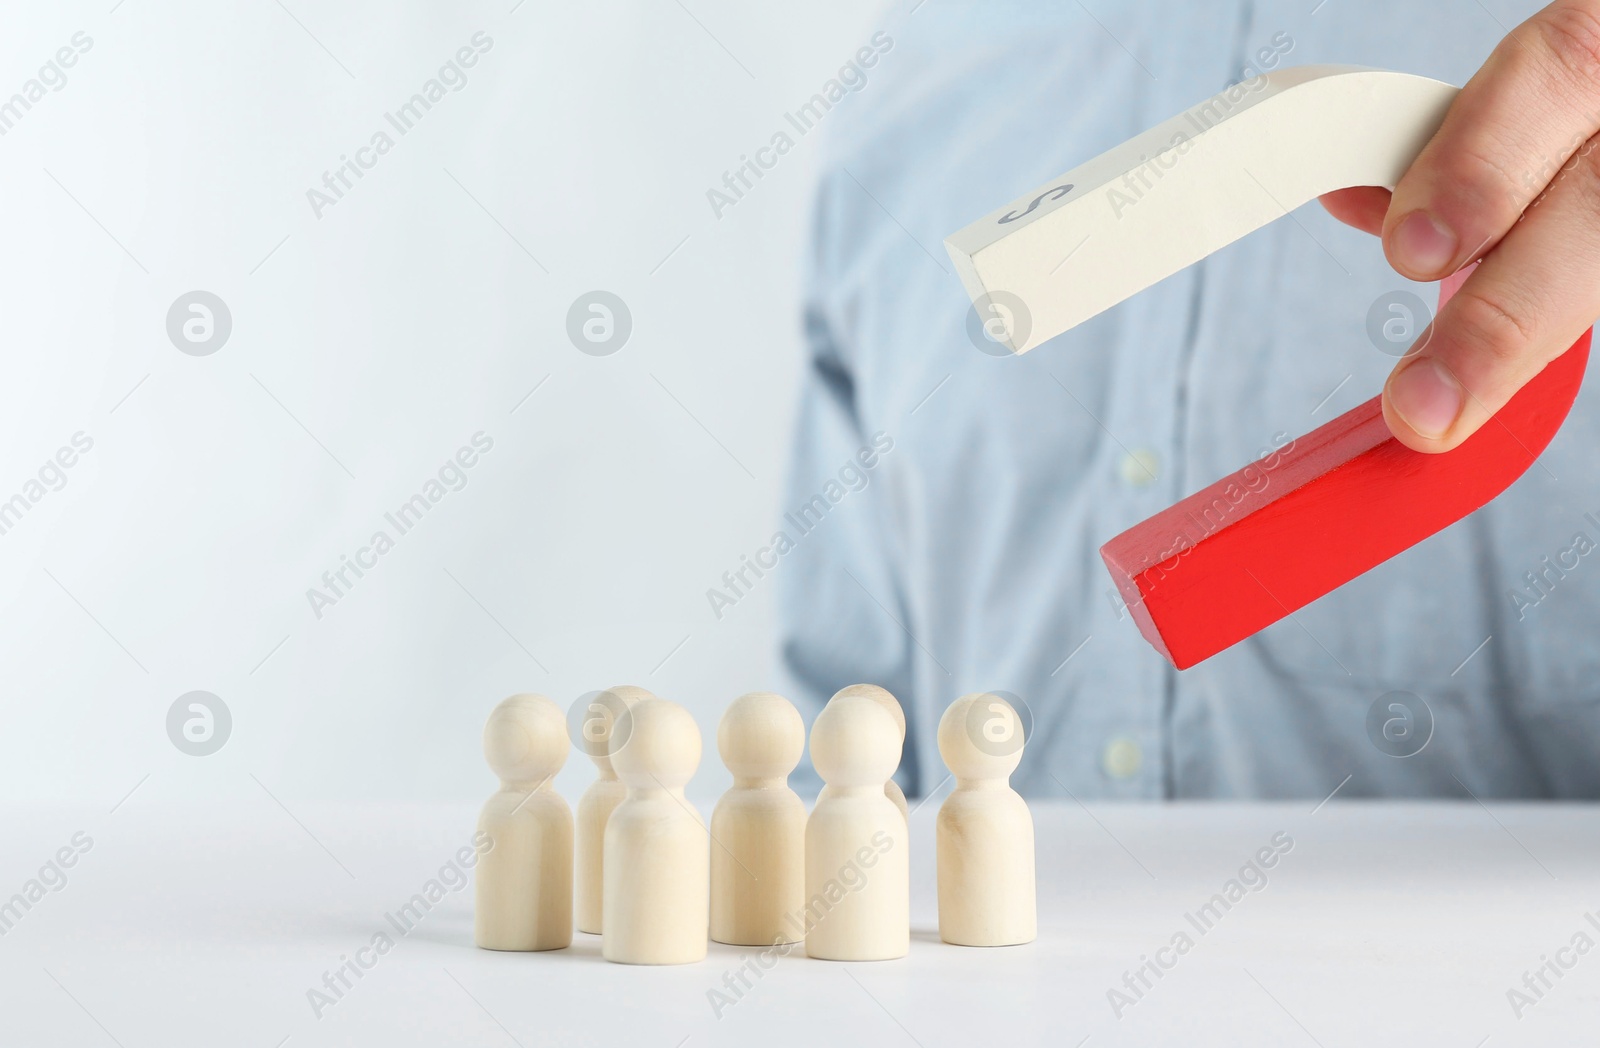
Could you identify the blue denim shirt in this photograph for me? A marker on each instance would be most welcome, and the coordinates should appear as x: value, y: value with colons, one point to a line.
x: 967, y: 560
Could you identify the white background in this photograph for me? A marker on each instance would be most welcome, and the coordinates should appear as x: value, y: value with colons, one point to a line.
x: 367, y: 347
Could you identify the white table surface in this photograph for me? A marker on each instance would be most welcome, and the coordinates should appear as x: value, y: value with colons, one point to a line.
x: 1399, y: 924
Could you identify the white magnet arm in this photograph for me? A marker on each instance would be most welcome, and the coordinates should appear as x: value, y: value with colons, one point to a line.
x: 1164, y: 200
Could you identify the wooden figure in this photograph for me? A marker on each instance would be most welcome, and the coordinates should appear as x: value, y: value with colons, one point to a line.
x: 606, y: 710
x: 985, y: 832
x: 891, y: 705
x: 524, y: 879
x: 858, y: 883
x: 657, y: 862
x: 758, y: 861
x: 1254, y: 547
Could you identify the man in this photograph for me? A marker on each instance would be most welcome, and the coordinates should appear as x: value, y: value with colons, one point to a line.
x: 968, y: 562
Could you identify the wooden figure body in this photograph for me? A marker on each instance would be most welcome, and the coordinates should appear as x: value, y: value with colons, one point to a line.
x: 985, y: 831
x: 758, y: 864
x: 605, y: 712
x: 858, y: 883
x: 891, y: 705
x: 524, y: 879
x: 657, y: 858
x: 1256, y: 546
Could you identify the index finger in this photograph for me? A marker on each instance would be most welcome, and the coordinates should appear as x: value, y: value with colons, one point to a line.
x: 1518, y: 121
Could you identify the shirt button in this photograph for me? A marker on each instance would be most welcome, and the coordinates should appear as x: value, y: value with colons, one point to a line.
x: 1121, y: 758
x: 1139, y: 468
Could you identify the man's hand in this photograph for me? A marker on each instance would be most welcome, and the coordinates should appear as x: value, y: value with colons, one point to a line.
x: 1513, y: 178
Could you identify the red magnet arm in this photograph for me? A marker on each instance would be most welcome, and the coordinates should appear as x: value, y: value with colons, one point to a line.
x: 1258, y: 545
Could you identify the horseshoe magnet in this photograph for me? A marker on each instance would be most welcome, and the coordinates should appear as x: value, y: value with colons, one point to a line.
x: 1237, y: 556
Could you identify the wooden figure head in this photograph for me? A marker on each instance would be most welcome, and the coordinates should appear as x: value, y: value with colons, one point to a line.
x: 662, y: 748
x: 855, y: 742
x: 525, y: 739
x: 761, y: 736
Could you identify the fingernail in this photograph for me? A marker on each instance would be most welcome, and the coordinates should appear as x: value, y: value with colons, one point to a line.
x: 1422, y: 246
x: 1427, y: 397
